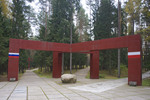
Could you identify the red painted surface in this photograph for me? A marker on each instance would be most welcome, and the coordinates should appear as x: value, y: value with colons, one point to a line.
x: 13, y: 68
x: 40, y: 45
x: 133, y: 43
x: 57, y: 63
x: 135, y: 64
x: 134, y: 70
x: 13, y: 57
x: 135, y: 56
x: 13, y: 63
x: 111, y: 43
x: 94, y: 65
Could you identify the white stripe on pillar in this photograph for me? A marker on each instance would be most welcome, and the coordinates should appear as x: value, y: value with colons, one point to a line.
x: 134, y: 53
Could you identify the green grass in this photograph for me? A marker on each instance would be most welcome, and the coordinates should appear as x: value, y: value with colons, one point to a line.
x: 88, y: 75
x: 146, y: 82
x: 49, y: 74
x: 104, y: 74
x: 68, y: 71
x: 43, y: 74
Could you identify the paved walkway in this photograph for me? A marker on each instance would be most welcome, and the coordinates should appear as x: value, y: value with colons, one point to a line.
x: 32, y: 87
x: 81, y: 74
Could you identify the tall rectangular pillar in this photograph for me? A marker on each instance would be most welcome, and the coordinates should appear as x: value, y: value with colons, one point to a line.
x: 94, y: 65
x: 13, y: 66
x: 57, y: 64
x: 13, y: 61
x: 134, y: 67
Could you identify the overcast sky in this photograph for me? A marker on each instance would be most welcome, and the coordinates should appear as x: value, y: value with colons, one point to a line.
x: 35, y: 5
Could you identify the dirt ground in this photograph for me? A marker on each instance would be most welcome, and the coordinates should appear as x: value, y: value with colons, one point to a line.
x: 3, y: 78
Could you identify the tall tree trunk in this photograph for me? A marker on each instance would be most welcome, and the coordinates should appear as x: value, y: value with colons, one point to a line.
x: 71, y: 38
x: 41, y: 68
x: 62, y: 63
x: 132, y: 27
x: 109, y: 52
x: 119, y: 34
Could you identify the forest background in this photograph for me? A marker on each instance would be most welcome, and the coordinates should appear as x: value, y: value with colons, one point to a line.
x: 58, y: 18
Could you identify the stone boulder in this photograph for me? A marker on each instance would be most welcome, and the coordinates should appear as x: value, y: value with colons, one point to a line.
x: 68, y: 78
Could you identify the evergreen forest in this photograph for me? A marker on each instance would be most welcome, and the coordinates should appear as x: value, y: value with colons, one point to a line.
x: 55, y: 20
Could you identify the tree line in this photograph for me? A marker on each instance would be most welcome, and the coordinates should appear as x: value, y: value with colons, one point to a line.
x: 57, y: 18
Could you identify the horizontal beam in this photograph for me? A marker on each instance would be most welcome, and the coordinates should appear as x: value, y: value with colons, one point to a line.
x: 133, y: 41
x: 40, y: 45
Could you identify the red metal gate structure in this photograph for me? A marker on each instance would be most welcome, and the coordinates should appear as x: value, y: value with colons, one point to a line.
x: 133, y: 43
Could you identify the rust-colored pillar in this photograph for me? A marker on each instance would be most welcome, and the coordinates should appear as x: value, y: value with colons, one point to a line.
x: 57, y: 64
x: 134, y: 67
x: 135, y: 62
x: 13, y: 61
x: 94, y: 65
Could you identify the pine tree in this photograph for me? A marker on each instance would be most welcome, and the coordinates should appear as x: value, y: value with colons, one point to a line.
x: 5, y: 29
x: 61, y: 23
x: 105, y: 25
x: 133, y: 8
x: 103, y: 17
x: 83, y: 28
x: 21, y: 26
x: 144, y: 31
x: 57, y: 26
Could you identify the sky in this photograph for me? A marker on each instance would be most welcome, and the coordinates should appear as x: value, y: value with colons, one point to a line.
x: 36, y: 5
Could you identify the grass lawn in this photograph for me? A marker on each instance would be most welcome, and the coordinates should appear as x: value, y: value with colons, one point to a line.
x: 146, y: 82
x: 104, y: 74
x: 43, y: 74
x: 49, y: 74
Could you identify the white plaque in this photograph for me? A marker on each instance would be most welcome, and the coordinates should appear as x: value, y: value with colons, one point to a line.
x: 12, y: 79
